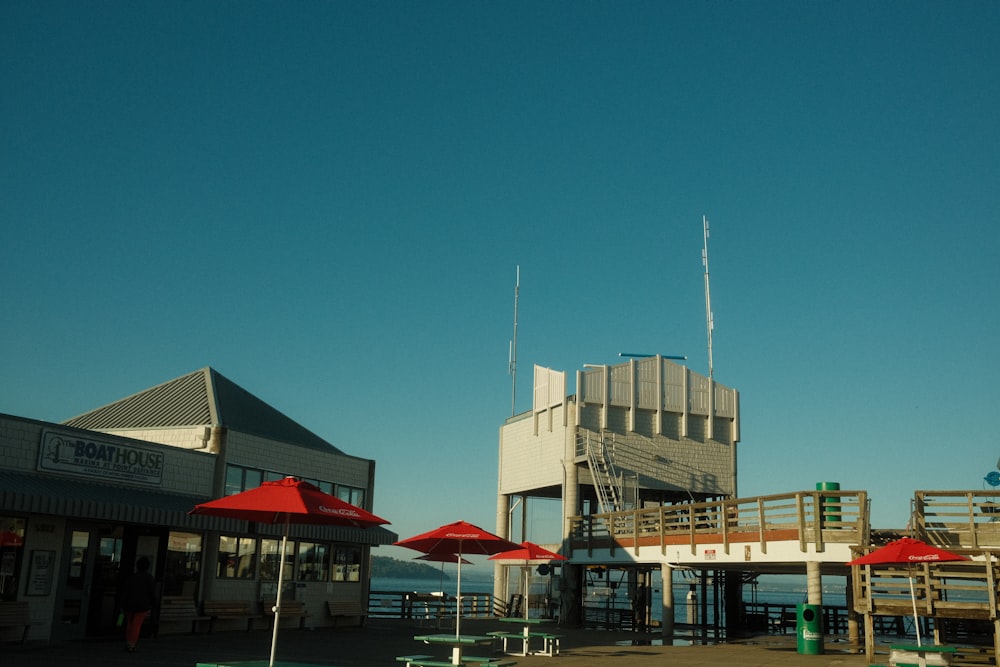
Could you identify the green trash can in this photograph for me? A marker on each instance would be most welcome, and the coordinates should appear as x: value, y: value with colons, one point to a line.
x: 809, y: 629
x: 830, y: 504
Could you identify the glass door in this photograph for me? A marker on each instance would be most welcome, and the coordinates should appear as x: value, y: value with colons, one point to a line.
x: 87, y: 581
x: 75, y: 581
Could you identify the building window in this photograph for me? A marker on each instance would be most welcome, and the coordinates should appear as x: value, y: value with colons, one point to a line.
x: 313, y: 562
x: 270, y: 559
x: 351, y: 494
x: 237, y: 557
x: 252, y: 479
x: 240, y: 479
x: 234, y: 480
x: 346, y: 563
x: 182, y: 570
x: 11, y: 555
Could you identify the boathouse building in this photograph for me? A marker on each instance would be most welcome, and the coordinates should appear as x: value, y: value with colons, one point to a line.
x: 80, y: 501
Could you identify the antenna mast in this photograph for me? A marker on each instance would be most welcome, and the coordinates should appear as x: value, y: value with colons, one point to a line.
x: 709, y: 321
x: 512, y: 358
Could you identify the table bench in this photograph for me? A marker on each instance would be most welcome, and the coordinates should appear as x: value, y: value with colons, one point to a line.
x: 550, y: 642
x: 346, y: 609
x: 179, y: 610
x: 229, y: 609
x: 504, y: 636
x: 15, y: 614
x: 426, y: 661
x: 907, y: 655
x: 289, y: 609
x: 488, y: 661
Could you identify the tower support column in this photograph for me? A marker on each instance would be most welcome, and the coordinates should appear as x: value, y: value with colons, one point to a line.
x: 667, y: 602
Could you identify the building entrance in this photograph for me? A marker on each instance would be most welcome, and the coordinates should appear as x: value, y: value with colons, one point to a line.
x: 94, y: 560
x: 83, y: 578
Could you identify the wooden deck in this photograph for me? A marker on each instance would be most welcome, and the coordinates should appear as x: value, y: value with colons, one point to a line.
x: 830, y: 527
x: 810, y: 519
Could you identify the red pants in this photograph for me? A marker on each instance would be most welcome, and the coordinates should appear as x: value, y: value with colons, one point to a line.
x: 133, y: 625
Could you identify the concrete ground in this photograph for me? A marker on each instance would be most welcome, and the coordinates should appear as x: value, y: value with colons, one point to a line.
x: 380, y: 641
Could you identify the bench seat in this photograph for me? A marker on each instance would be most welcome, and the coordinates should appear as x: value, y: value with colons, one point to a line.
x: 179, y: 610
x: 289, y: 609
x: 550, y: 643
x: 15, y: 614
x: 503, y: 636
x: 489, y: 661
x: 426, y: 661
x: 229, y: 609
x: 346, y: 609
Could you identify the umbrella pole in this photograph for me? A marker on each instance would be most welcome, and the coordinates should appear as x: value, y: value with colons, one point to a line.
x: 916, y: 619
x: 456, y: 653
x: 458, y: 593
x: 277, y: 596
x: 524, y: 599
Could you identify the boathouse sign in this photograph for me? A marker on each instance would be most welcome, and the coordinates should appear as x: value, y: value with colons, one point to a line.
x: 96, y: 459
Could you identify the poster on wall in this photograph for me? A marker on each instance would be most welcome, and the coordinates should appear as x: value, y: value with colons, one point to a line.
x: 40, y: 570
x: 7, y: 564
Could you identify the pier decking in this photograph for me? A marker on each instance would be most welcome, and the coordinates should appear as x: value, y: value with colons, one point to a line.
x: 817, y: 532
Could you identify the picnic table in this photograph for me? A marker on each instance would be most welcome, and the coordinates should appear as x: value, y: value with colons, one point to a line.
x: 920, y: 656
x: 253, y: 663
x: 430, y: 607
x: 550, y: 642
x: 456, y: 642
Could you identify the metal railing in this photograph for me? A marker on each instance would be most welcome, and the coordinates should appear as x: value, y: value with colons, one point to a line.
x: 432, y: 608
x: 607, y: 481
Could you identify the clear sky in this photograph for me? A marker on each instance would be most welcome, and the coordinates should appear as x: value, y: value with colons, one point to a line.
x: 326, y: 202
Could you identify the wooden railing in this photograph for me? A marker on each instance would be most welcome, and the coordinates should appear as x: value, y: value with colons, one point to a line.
x: 962, y: 589
x: 958, y: 519
x: 811, y: 517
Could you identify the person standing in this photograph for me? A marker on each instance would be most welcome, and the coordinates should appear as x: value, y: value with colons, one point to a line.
x: 138, y: 600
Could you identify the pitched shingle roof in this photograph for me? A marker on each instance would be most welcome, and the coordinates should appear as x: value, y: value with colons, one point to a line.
x: 202, y: 398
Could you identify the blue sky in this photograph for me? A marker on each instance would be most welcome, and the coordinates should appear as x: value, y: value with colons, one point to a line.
x: 326, y: 202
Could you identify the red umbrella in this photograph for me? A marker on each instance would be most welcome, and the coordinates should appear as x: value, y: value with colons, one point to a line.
x: 443, y: 558
x: 285, y: 502
x: 907, y: 551
x: 528, y: 553
x: 457, y: 538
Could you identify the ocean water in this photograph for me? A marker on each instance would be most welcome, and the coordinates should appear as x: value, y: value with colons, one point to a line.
x: 613, y: 591
x: 470, y: 584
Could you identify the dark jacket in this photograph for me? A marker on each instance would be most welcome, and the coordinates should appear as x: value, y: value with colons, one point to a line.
x: 139, y: 593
